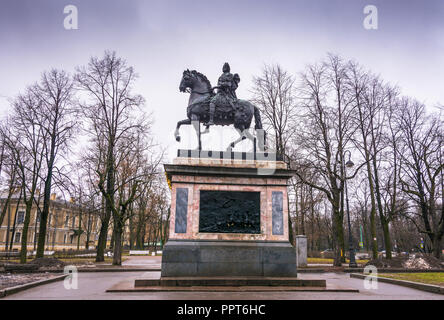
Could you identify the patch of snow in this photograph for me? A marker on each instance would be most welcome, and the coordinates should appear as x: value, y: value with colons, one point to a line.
x: 416, y: 263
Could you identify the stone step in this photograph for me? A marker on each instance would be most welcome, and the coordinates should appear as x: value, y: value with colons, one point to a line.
x: 228, y: 281
x: 122, y: 288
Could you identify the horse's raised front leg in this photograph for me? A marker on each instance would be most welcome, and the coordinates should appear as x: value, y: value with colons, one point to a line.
x: 179, y: 124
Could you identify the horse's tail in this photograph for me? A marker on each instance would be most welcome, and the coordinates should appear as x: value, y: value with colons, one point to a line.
x: 257, y: 118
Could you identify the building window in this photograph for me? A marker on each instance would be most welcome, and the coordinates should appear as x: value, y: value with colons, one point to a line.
x: 37, y: 218
x: 18, y: 237
x: 20, y: 217
x: 64, y: 238
x: 66, y: 221
x: 73, y: 222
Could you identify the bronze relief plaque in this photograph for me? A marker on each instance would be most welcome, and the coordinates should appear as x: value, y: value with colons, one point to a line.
x: 230, y: 212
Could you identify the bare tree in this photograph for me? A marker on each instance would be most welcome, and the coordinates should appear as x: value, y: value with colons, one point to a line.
x: 273, y: 93
x: 132, y: 169
x: 26, y: 146
x: 324, y: 131
x: 371, y: 98
x: 110, y: 111
x: 84, y: 194
x: 421, y: 169
x: 9, y: 168
x: 392, y: 201
x: 56, y: 117
x: 148, y: 208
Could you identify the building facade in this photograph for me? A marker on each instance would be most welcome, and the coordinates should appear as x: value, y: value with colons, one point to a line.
x: 70, y: 226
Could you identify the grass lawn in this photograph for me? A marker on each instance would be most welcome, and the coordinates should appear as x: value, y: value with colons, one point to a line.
x: 330, y: 261
x: 320, y: 260
x: 436, y: 278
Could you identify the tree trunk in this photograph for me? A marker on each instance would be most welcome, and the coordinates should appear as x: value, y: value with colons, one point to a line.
x: 139, y: 241
x: 35, y: 228
x: 8, y: 227
x: 117, y: 258
x: 296, y: 223
x: 312, y: 218
x: 110, y: 181
x: 437, y: 248
x: 337, y: 227
x: 382, y: 217
x: 113, y: 238
x: 374, y: 243
x: 101, y: 243
x: 342, y: 211
x: 88, y: 232
x: 24, y: 245
x: 338, y: 231
x: 131, y: 233
x: 5, y: 207
x: 14, y: 225
x: 79, y: 232
x: 46, y: 200
x: 138, y: 236
x: 302, y: 212
x: 387, y: 238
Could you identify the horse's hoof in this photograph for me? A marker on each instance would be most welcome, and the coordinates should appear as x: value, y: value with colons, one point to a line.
x: 232, y: 145
x: 178, y: 138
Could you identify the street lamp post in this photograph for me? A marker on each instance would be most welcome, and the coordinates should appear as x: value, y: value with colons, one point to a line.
x: 349, y: 164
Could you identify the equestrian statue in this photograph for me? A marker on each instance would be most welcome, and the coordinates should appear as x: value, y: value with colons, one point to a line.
x: 220, y: 108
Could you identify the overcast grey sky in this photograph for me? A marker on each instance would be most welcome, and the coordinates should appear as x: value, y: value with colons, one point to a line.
x: 162, y: 38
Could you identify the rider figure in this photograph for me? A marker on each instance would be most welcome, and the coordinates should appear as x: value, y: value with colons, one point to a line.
x: 226, y: 93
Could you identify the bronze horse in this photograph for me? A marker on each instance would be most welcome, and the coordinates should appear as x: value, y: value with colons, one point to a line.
x: 240, y: 116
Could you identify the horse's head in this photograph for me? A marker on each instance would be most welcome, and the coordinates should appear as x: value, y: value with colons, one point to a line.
x: 187, y: 81
x: 196, y: 81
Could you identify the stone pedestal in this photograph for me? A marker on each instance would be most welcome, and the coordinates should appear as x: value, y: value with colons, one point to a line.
x: 301, y: 250
x: 229, y: 217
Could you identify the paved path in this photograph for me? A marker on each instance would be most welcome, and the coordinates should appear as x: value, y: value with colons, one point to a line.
x: 94, y: 285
